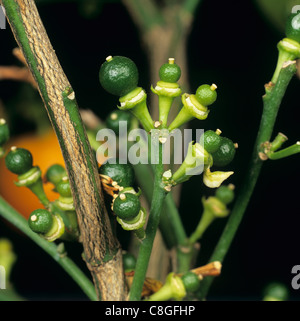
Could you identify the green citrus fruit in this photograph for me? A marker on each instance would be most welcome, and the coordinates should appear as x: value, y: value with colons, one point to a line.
x: 118, y: 75
x: 225, y: 194
x: 123, y: 174
x: 127, y: 206
x: 212, y: 141
x: 206, y: 95
x: 169, y: 72
x: 18, y: 160
x: 225, y: 154
x: 40, y: 221
x: 191, y: 281
x: 292, y: 28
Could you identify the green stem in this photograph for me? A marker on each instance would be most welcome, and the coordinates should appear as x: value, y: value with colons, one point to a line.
x: 12, y: 216
x: 205, y: 221
x: 291, y: 150
x: 101, y: 248
x: 271, y: 104
x: 170, y: 224
x: 153, y: 221
x: 278, y: 142
x: 165, y: 104
x: 164, y: 294
x: 283, y: 56
x: 38, y: 189
x: 173, y: 223
x: 182, y: 117
x: 141, y: 112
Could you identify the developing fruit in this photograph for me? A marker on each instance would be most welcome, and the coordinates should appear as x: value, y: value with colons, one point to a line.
x: 191, y: 281
x: 292, y: 28
x: 40, y: 221
x: 170, y: 72
x: 212, y: 141
x: 127, y: 206
x: 118, y: 75
x: 206, y: 94
x: 18, y: 160
x: 123, y: 174
x: 225, y: 154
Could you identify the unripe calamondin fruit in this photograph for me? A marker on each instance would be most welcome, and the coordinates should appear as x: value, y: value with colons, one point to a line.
x: 4, y: 132
x: 123, y: 174
x: 225, y: 194
x: 64, y: 188
x: 190, y: 281
x: 127, y: 206
x: 55, y: 173
x: 40, y: 221
x: 118, y: 75
x: 129, y: 262
x: 170, y: 72
x: 113, y: 120
x: 18, y: 160
x: 206, y: 94
x: 225, y: 153
x: 292, y: 27
x: 211, y: 141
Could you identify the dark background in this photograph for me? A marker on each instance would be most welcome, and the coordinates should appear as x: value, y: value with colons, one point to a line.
x: 231, y: 44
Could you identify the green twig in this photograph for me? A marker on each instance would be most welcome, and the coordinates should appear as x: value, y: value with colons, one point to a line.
x: 271, y: 103
x: 291, y: 150
x: 173, y: 223
x: 12, y: 216
x: 146, y: 245
x: 170, y: 224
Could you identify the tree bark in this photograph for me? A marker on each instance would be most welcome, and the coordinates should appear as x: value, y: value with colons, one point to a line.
x: 102, y: 251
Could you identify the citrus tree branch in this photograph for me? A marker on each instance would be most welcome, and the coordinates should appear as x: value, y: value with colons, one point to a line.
x: 102, y: 252
x: 271, y: 103
x: 12, y: 216
x: 145, y: 13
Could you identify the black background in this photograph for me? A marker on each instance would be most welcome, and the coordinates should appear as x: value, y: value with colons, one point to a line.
x: 232, y: 45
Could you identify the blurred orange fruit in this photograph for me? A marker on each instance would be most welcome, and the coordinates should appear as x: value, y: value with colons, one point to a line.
x: 46, y: 152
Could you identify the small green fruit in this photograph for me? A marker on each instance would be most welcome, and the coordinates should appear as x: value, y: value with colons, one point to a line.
x: 225, y: 194
x: 123, y: 174
x: 40, y: 221
x: 206, y: 94
x: 191, y: 281
x: 127, y: 206
x: 113, y: 120
x: 55, y: 173
x: 212, y: 141
x: 225, y: 154
x: 129, y: 262
x: 292, y: 28
x: 19, y: 160
x: 118, y: 75
x: 64, y: 187
x: 170, y: 72
x: 4, y: 132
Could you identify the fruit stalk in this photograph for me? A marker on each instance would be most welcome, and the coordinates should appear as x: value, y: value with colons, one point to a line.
x: 271, y: 103
x: 158, y: 198
x: 15, y: 218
